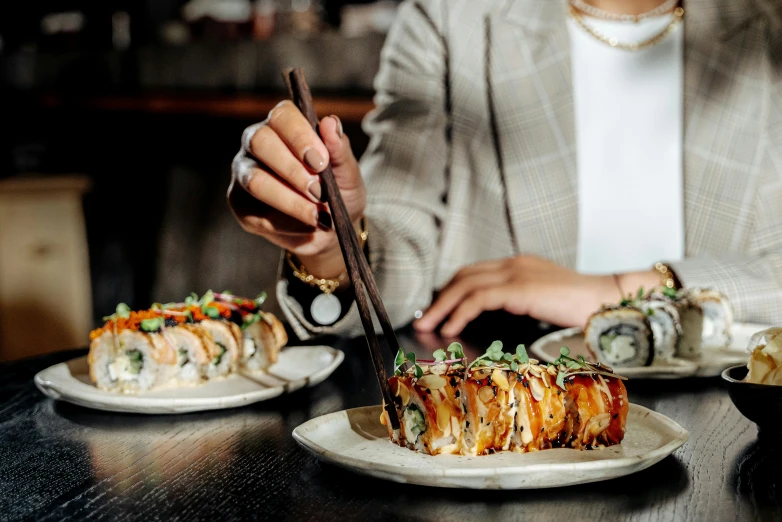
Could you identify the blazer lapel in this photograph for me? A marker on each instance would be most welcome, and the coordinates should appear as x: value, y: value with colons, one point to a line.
x: 530, y: 87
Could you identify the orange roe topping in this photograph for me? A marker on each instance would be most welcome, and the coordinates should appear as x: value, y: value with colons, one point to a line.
x: 134, y: 321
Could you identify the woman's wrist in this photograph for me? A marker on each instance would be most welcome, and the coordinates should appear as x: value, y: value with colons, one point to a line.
x: 328, y: 264
x: 630, y: 282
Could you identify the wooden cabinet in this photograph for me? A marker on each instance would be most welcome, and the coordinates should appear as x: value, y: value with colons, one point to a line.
x: 45, y: 295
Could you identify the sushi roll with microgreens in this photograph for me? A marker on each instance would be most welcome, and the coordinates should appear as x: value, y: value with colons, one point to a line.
x: 183, y: 343
x: 620, y: 336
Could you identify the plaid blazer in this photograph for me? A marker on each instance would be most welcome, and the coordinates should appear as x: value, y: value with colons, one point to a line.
x: 473, y: 157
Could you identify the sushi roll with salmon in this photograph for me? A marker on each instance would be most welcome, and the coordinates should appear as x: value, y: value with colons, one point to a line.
x: 183, y: 344
x: 505, y: 402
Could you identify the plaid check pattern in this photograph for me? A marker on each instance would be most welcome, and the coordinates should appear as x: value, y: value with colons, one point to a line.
x: 472, y: 152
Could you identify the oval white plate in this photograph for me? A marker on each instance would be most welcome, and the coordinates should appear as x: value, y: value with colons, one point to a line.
x: 298, y: 366
x: 711, y: 364
x: 355, y: 439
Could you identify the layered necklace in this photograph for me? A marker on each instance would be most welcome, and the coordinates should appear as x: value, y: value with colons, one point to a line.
x: 577, y: 7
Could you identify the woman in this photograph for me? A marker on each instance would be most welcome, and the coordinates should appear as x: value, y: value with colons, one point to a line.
x: 540, y: 158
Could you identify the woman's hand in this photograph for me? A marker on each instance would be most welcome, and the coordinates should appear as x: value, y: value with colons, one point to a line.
x: 275, y: 189
x: 523, y: 285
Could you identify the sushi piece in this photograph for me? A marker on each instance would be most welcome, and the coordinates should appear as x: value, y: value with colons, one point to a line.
x: 192, y: 355
x: 491, y: 411
x: 717, y: 316
x: 430, y: 411
x: 620, y: 336
x: 226, y: 338
x: 131, y: 361
x: 262, y: 342
x: 691, y: 320
x: 506, y: 403
x: 663, y: 316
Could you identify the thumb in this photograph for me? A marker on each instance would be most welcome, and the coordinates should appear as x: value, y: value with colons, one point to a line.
x: 338, y: 145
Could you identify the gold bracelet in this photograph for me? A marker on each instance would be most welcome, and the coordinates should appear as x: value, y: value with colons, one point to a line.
x: 667, y: 277
x: 327, y: 286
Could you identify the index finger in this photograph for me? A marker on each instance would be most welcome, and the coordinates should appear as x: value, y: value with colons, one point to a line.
x: 297, y: 133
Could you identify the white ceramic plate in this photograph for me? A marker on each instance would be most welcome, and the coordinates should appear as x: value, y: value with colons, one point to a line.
x: 298, y: 366
x: 710, y: 364
x: 355, y: 439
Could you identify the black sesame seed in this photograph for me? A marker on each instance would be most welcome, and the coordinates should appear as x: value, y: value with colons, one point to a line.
x: 457, y: 394
x: 521, y: 429
x: 466, y: 424
x: 550, y: 415
x: 453, y: 381
x: 541, y: 430
x: 615, y: 415
x: 526, y: 384
x: 423, y: 398
x: 170, y: 322
x: 481, y: 420
x: 494, y: 389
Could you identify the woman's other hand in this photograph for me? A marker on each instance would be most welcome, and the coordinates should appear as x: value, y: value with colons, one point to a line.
x: 275, y: 189
x: 522, y: 285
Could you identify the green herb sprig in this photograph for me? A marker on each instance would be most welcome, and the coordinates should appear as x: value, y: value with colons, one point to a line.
x: 402, y: 358
x: 455, y: 349
x: 121, y: 312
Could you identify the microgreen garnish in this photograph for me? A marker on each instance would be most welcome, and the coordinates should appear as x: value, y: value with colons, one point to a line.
x: 152, y: 325
x: 121, y: 312
x: 260, y: 299
x: 670, y: 293
x: 439, y: 355
x: 565, y: 360
x: 409, y: 357
x: 521, y: 354
x: 456, y: 350
x: 493, y: 353
x: 640, y: 293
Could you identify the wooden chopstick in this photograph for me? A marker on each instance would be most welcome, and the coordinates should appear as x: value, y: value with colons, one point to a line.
x: 360, y: 274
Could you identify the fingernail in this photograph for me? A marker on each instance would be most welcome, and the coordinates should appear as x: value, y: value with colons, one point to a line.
x: 314, y: 160
x: 324, y: 220
x: 339, y: 124
x: 313, y: 187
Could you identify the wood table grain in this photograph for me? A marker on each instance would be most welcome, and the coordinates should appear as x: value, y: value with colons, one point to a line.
x: 59, y: 461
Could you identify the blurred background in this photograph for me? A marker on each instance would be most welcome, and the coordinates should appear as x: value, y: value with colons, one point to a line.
x: 121, y: 118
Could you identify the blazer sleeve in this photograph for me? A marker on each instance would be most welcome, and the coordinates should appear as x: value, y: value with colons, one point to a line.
x: 404, y: 169
x: 752, y: 280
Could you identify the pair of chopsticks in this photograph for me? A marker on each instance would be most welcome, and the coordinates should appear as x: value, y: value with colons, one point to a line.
x: 360, y: 274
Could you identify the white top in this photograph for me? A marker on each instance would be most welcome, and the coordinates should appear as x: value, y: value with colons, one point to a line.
x: 628, y: 120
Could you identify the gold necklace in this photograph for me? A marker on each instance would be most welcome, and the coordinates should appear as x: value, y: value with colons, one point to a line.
x: 612, y: 41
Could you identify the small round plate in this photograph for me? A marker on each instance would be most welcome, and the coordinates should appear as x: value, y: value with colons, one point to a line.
x: 297, y: 367
x: 355, y: 439
x: 709, y: 364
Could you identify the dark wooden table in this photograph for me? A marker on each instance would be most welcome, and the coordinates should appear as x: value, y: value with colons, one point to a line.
x: 59, y: 461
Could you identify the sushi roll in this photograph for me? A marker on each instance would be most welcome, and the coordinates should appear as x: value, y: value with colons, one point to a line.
x: 717, y: 316
x: 620, y: 336
x: 262, y: 342
x: 508, y: 404
x: 663, y: 316
x: 131, y: 361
